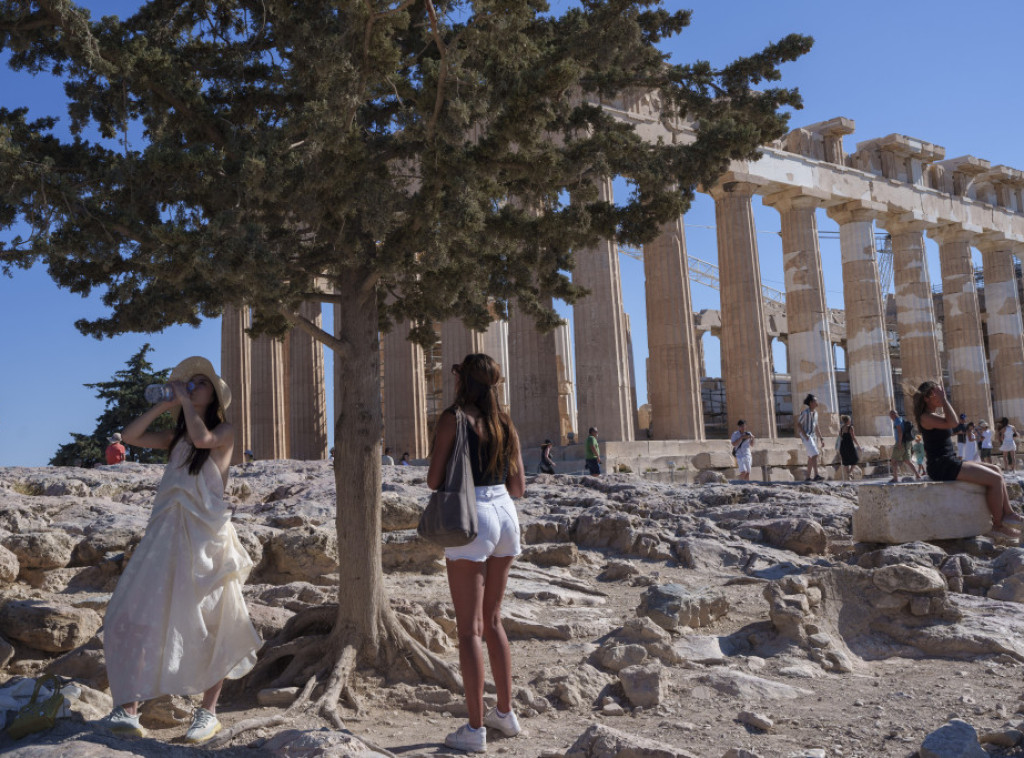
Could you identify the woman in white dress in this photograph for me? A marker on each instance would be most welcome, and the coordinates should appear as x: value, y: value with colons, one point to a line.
x: 177, y: 622
x: 1007, y: 443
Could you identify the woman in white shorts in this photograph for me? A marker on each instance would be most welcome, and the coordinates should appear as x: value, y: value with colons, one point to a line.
x: 478, y: 572
x: 1007, y: 443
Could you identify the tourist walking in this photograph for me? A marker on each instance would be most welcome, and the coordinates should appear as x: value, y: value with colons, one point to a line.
x: 547, y: 463
x: 807, y: 428
x: 742, y: 447
x: 593, y: 453
x: 985, y: 446
x: 900, y: 447
x: 177, y: 623
x: 1007, y: 443
x: 478, y: 572
x: 936, y: 418
x: 115, y: 451
x: 849, y: 455
x: 917, y: 455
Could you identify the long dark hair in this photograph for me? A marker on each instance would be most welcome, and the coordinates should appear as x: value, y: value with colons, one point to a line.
x: 479, y: 377
x: 921, y: 400
x: 212, y: 418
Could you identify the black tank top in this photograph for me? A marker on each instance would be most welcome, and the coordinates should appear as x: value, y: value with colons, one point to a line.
x: 938, y: 443
x: 479, y: 454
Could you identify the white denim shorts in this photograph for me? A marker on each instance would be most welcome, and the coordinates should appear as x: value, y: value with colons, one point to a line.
x: 498, y: 534
x: 743, y: 461
x: 811, y: 447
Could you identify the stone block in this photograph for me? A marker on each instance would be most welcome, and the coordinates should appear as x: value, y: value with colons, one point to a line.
x: 770, y: 457
x: 920, y: 511
x: 713, y: 459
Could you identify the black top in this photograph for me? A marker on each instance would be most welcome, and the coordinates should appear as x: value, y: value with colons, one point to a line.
x: 938, y: 443
x: 479, y: 453
x: 961, y: 432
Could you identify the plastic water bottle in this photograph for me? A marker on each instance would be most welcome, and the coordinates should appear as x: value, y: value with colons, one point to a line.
x: 158, y: 393
x: 161, y: 393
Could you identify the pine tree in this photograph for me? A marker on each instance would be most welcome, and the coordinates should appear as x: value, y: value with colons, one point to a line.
x: 123, y: 401
x: 403, y: 159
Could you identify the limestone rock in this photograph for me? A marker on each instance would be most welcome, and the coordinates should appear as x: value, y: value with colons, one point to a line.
x: 86, y: 663
x: 277, y: 697
x: 600, y: 741
x: 564, y: 554
x: 756, y: 720
x: 749, y: 687
x: 43, y: 550
x: 407, y: 551
x: 1010, y: 589
x: 304, y: 553
x: 955, y: 739
x: 642, y: 683
x: 710, y: 476
x: 672, y: 605
x: 9, y: 566
x: 399, y: 513
x: 614, y: 656
x: 802, y: 536
x: 577, y: 688
x: 166, y: 711
x: 323, y: 743
x: 916, y: 579
x: 48, y: 626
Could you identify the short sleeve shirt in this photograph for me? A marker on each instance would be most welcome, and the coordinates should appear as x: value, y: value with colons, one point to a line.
x: 809, y: 421
x: 115, y: 453
x: 593, y: 449
x: 744, y: 447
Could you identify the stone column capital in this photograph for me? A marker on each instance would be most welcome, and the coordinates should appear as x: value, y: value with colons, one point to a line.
x: 796, y: 198
x: 947, y: 233
x: 855, y: 210
x: 903, y: 223
x: 995, y: 242
x: 727, y: 188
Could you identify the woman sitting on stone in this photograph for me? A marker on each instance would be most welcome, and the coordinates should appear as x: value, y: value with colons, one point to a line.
x: 177, y: 623
x: 936, y: 418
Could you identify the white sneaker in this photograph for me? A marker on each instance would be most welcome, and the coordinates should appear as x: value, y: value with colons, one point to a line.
x: 468, y: 739
x: 204, y: 726
x: 507, y: 724
x: 119, y: 721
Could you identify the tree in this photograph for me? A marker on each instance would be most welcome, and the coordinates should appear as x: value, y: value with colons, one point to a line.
x: 124, y: 401
x: 403, y: 159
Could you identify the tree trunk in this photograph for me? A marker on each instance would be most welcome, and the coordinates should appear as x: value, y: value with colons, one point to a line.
x: 357, y: 475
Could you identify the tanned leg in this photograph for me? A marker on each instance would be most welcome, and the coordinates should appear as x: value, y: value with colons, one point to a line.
x: 466, y: 581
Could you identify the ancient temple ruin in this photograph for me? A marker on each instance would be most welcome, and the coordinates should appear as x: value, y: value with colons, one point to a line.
x: 560, y: 383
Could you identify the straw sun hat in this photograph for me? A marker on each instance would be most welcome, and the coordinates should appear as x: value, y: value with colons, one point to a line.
x: 199, y: 365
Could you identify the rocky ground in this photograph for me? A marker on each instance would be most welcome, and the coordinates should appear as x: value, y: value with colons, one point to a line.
x: 647, y: 620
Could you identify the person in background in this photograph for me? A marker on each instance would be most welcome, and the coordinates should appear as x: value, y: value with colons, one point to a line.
x: 900, y: 449
x: 386, y: 459
x: 971, y: 446
x: 405, y: 459
x: 960, y: 430
x: 936, y: 419
x: 807, y: 430
x: 593, y: 453
x: 177, y: 623
x: 849, y: 456
x: 985, y: 446
x: 742, y: 446
x: 478, y: 572
x: 1007, y: 443
x: 917, y: 455
x: 115, y: 450
x: 547, y: 464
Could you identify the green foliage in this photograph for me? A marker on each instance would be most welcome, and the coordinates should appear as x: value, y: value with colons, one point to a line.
x: 124, y: 401
x: 355, y: 145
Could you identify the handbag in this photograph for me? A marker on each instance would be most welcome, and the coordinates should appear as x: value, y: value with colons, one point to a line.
x: 38, y: 715
x: 449, y: 519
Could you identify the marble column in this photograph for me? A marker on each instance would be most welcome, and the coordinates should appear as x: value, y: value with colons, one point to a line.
x: 1005, y: 333
x: 867, y: 351
x: 604, y: 396
x: 269, y: 425
x: 915, y: 314
x: 236, y: 370
x: 811, y: 362
x: 405, y: 394
x: 673, y: 375
x: 746, y: 359
x: 961, y: 319
x: 533, y: 380
x: 566, y: 383
x: 457, y: 341
x: 307, y: 399
x: 495, y: 344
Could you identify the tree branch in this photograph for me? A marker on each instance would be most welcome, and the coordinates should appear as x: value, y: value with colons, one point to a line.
x: 435, y: 31
x: 342, y: 348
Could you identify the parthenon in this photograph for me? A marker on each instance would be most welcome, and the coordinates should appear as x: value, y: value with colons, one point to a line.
x: 563, y: 382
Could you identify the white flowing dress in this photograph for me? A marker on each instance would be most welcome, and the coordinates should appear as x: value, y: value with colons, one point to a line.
x: 177, y: 622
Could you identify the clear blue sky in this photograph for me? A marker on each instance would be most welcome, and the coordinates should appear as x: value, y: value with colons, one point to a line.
x: 941, y: 71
